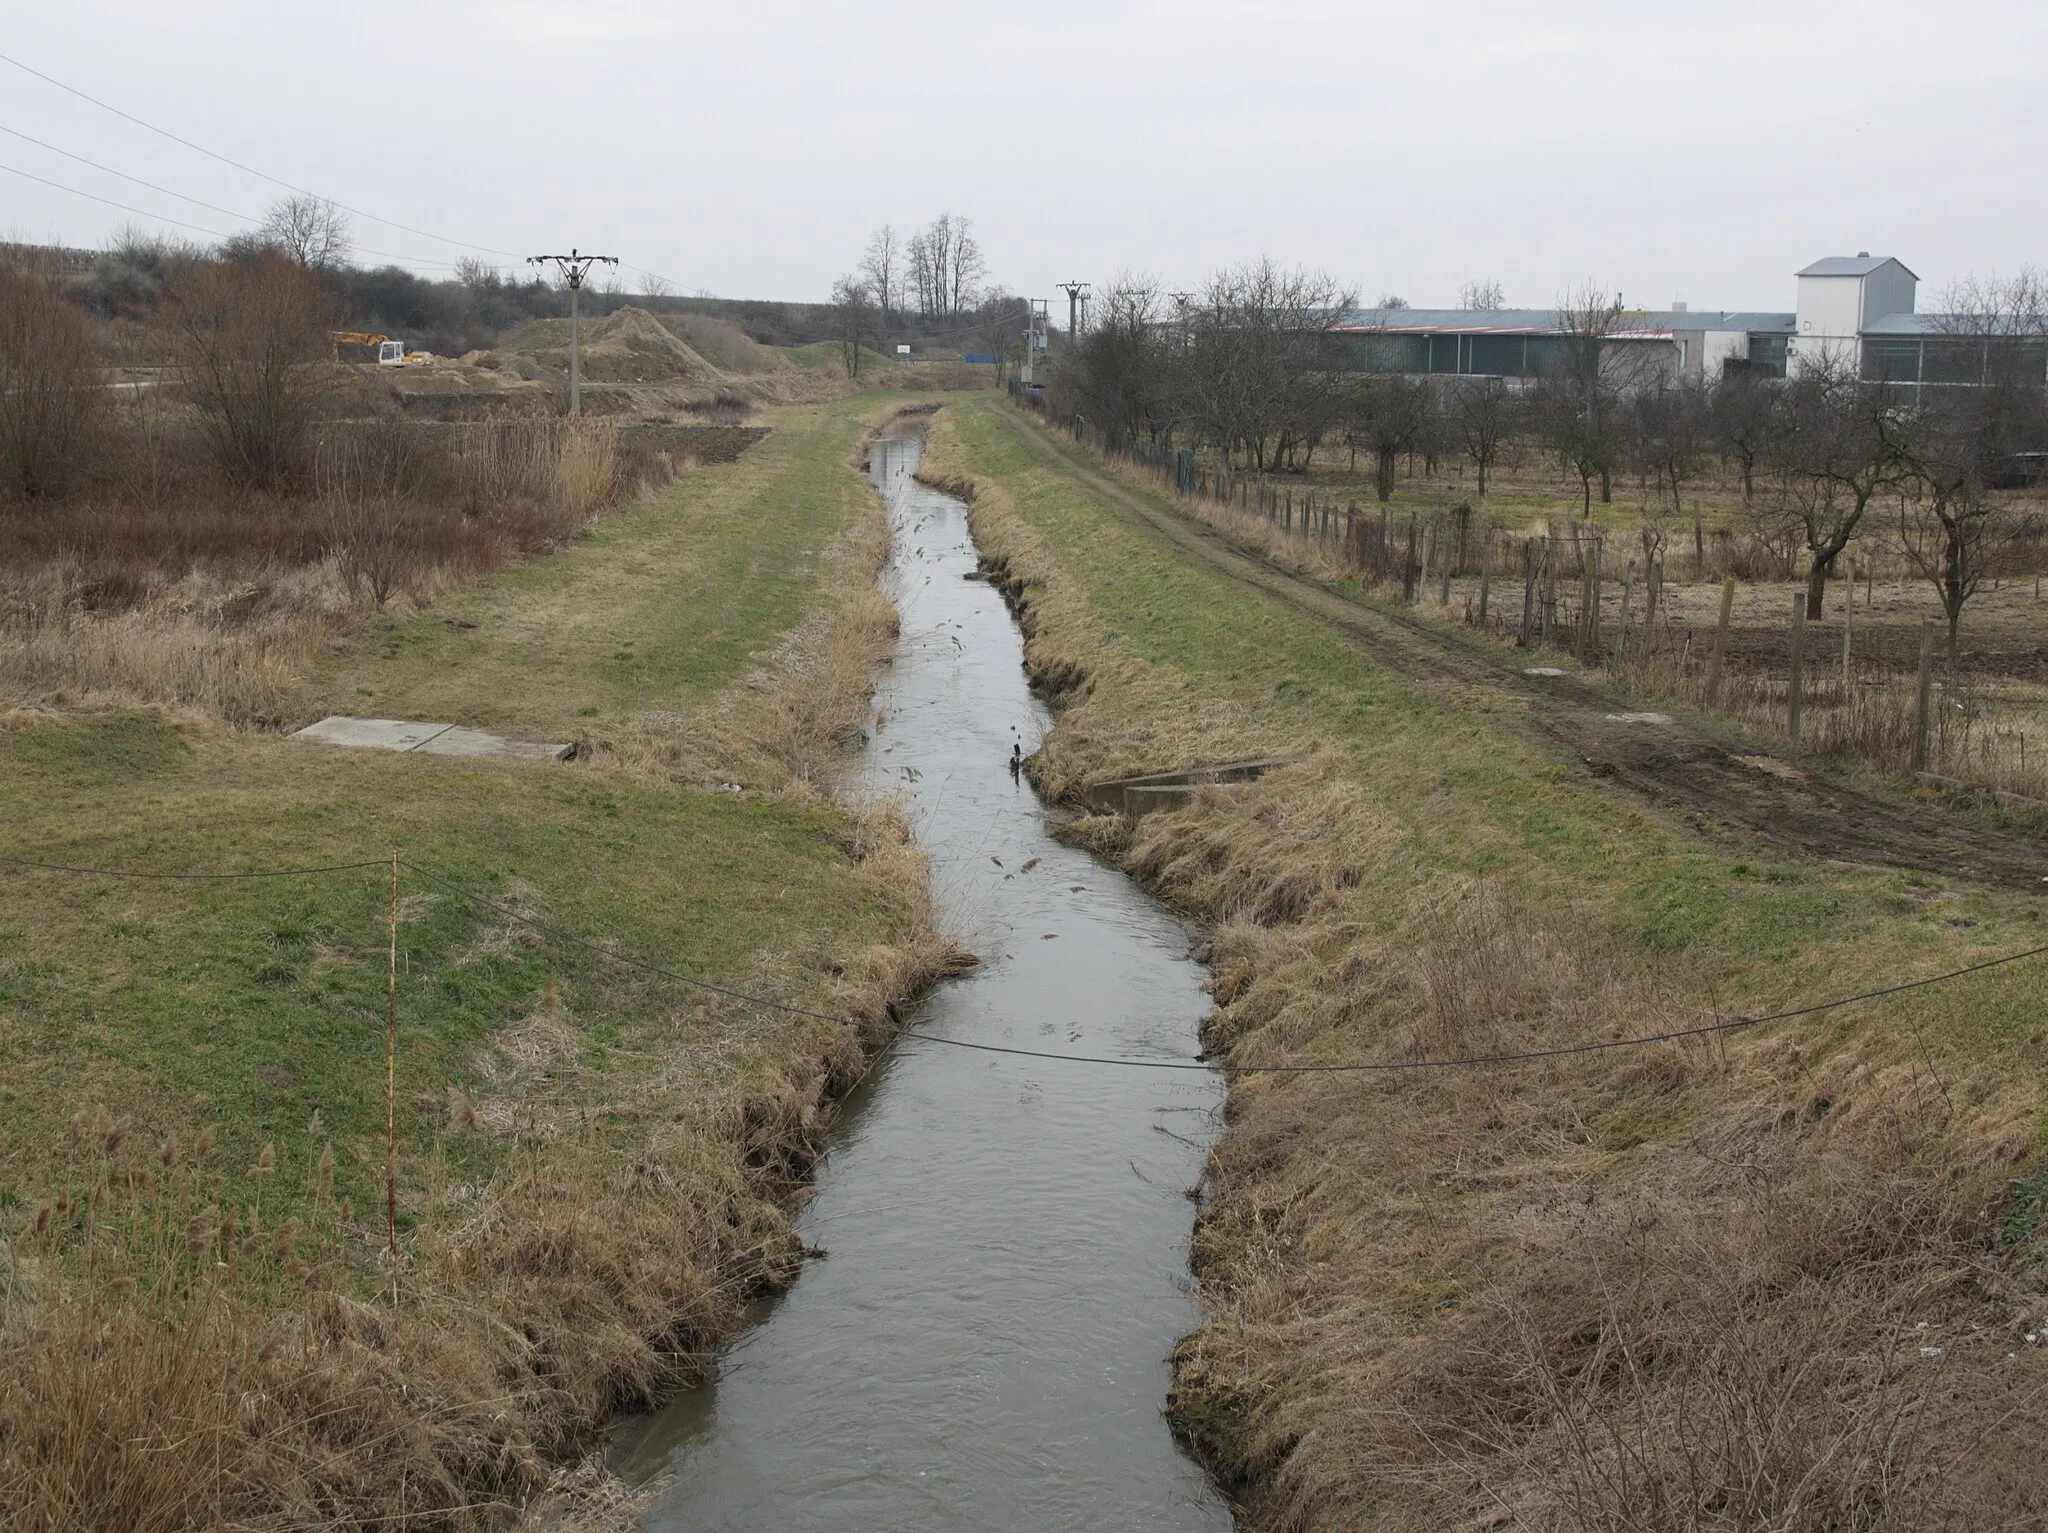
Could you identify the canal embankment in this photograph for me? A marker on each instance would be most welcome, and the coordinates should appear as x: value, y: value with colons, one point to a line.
x: 1441, y: 1286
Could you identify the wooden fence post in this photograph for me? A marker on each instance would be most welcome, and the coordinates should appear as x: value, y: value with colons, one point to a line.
x: 1528, y: 591
x: 1485, y: 576
x: 1549, y: 588
x: 1443, y: 578
x: 1628, y: 600
x: 1593, y: 605
x: 1720, y: 640
x: 1923, y: 694
x: 1795, y: 690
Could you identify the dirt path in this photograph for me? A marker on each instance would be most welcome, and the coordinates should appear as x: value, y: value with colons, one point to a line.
x: 1674, y: 765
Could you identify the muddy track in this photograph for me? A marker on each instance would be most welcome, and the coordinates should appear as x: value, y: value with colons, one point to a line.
x: 1676, y: 766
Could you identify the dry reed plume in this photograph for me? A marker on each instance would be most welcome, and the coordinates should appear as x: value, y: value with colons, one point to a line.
x: 1752, y: 1283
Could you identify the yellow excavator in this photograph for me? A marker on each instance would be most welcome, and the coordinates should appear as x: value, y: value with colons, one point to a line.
x: 390, y: 353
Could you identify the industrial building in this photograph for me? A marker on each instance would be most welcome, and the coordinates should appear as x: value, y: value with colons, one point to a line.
x: 1856, y: 310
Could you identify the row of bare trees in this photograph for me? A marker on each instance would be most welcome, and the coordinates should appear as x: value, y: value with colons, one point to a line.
x: 1253, y: 369
x: 933, y: 284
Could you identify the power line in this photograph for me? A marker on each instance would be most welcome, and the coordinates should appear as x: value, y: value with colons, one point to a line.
x: 249, y: 170
x: 124, y: 207
x: 1458, y: 1061
x: 250, y: 218
x: 62, y: 867
x: 96, y: 165
x: 1462, y: 1061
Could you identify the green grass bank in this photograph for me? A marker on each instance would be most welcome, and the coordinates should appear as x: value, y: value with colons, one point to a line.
x: 593, y: 1161
x: 1603, y: 1290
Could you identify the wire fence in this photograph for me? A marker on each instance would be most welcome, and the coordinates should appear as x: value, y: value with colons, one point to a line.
x: 1602, y: 600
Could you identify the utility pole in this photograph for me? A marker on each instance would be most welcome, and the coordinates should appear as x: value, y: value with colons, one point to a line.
x: 1181, y: 302
x: 1034, y: 340
x: 1076, y: 292
x: 573, y: 267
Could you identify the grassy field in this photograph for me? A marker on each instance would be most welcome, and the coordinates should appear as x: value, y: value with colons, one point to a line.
x: 590, y: 1157
x: 648, y: 613
x: 1594, y: 1291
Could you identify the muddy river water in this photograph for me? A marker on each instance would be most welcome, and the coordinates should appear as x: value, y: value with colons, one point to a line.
x: 984, y: 1345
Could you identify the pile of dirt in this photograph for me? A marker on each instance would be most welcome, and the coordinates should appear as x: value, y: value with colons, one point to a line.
x: 629, y: 346
x: 724, y: 344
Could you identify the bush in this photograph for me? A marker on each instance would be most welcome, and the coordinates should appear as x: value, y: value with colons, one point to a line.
x: 51, y: 389
x: 251, y: 342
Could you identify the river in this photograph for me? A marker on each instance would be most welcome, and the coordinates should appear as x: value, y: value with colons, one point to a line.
x: 984, y: 1345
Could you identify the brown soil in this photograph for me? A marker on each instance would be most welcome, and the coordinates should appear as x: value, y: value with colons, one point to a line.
x: 1678, y: 764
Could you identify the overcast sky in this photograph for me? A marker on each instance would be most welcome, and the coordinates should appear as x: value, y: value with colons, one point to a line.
x: 1666, y: 148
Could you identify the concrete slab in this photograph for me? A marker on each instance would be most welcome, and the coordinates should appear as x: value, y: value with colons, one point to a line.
x: 1639, y: 718
x: 1541, y: 670
x: 457, y: 741
x: 372, y: 734
x: 428, y: 739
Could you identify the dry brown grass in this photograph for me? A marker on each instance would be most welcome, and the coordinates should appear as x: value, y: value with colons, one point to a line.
x: 1678, y: 1287
x: 789, y: 726
x: 223, y: 602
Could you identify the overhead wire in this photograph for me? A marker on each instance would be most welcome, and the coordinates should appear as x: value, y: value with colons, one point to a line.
x: 1390, y: 1065
x: 162, y: 218
x: 109, y: 170
x: 389, y: 255
x: 250, y: 170
x: 208, y: 877
x: 260, y: 175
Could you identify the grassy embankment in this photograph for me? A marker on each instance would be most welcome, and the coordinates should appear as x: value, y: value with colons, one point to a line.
x: 594, y: 1162
x: 1687, y: 1285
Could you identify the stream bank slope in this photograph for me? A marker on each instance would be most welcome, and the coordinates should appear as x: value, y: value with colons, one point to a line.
x: 595, y: 1163
x: 1786, y: 1274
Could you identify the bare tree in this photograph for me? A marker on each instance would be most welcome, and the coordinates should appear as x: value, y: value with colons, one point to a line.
x: 1747, y: 416
x: 1962, y: 437
x: 1116, y: 376
x: 1482, y: 294
x: 1840, y: 446
x: 881, y: 266
x: 1386, y: 414
x: 999, y: 327
x: 476, y: 274
x: 854, y: 315
x: 51, y: 394
x: 1255, y: 364
x: 1670, y: 428
x: 1482, y: 414
x: 309, y: 230
x: 1578, y: 403
x: 250, y: 344
x: 963, y: 282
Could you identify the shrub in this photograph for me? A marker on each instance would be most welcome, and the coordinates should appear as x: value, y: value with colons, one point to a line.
x: 251, y: 340
x: 51, y: 398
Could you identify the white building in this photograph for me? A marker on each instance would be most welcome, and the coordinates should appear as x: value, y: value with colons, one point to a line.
x: 1841, y: 300
x: 1857, y: 310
